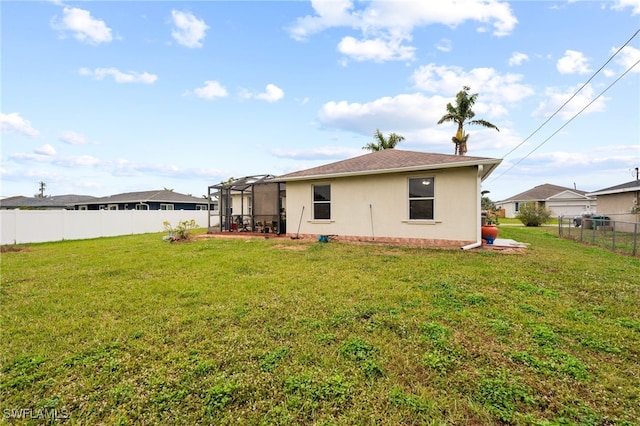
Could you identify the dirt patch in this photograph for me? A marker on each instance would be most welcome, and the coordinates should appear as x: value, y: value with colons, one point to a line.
x: 13, y: 249
x: 298, y: 247
x: 504, y: 250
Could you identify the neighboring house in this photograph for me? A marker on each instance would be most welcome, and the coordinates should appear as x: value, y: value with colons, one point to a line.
x: 146, y: 200
x: 393, y: 196
x: 621, y: 203
x: 560, y: 200
x: 54, y: 202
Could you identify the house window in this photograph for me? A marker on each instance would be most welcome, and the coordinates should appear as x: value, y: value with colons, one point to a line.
x: 166, y: 206
x: 517, y: 206
x: 83, y: 207
x: 201, y: 207
x: 142, y: 206
x: 421, y: 198
x: 214, y: 203
x: 112, y: 207
x: 322, y: 201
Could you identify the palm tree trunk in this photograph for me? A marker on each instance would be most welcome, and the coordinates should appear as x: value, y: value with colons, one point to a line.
x: 462, y: 149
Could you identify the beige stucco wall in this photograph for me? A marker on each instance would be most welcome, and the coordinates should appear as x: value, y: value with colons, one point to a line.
x: 357, y: 203
x: 616, y: 203
x: 618, y: 207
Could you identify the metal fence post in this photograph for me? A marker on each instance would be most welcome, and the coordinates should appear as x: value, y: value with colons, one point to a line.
x: 635, y: 239
x: 613, y: 235
x: 560, y: 225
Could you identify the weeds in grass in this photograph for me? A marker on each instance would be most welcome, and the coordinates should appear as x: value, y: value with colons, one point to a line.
x: 502, y: 397
x: 219, y: 396
x: 270, y: 360
x: 415, y: 404
x: 130, y: 330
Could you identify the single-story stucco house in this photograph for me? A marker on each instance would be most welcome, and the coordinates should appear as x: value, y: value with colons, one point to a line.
x: 393, y: 196
x: 146, y: 200
x: 143, y: 200
x: 620, y: 203
x: 560, y: 200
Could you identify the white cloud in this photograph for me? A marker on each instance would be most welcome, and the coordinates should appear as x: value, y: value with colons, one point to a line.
x: 573, y: 62
x: 384, y: 25
x: 327, y: 152
x: 189, y: 31
x: 377, y: 50
x: 73, y: 138
x: 517, y: 58
x: 22, y: 157
x: 492, y: 86
x: 78, y: 161
x: 47, y: 150
x: 83, y: 26
x: 12, y: 122
x: 211, y: 90
x: 405, y: 111
x: 628, y: 57
x: 271, y: 94
x: 329, y: 14
x: 556, y: 97
x: 119, y: 76
x: 444, y: 45
x: 622, y: 4
x: 47, y: 154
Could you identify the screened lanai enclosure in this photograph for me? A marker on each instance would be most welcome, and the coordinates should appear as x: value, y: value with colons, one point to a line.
x: 248, y: 204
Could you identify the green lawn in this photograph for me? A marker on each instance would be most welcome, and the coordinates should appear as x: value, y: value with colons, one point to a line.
x: 134, y: 330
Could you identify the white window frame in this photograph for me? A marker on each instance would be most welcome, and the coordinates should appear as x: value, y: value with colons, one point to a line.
x: 430, y: 181
x: 320, y: 202
x: 166, y: 206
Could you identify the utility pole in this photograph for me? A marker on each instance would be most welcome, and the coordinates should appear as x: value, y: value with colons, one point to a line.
x: 42, y: 187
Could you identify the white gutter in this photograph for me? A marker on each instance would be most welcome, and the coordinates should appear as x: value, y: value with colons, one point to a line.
x: 478, y: 242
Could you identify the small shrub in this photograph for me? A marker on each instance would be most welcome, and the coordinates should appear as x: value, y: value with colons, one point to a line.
x: 181, y: 232
x: 533, y: 214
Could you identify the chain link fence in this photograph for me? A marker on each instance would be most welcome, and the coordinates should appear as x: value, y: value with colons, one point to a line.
x: 602, y: 230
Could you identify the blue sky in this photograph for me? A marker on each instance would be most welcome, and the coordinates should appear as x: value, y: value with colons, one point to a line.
x: 99, y: 98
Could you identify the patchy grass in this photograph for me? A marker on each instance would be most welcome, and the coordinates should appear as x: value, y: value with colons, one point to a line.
x: 131, y: 330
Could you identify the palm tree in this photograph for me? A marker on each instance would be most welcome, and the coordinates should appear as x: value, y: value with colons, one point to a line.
x: 382, y: 143
x: 461, y: 113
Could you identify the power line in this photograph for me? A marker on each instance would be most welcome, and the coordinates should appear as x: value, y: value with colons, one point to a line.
x: 571, y: 119
x: 575, y: 94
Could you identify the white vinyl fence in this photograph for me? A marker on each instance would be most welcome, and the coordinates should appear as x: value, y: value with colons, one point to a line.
x: 37, y: 226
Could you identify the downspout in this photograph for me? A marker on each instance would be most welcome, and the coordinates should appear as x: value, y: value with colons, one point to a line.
x: 478, y: 242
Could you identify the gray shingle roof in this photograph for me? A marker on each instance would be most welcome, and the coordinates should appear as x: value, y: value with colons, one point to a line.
x: 633, y: 185
x: 52, y: 202
x: 542, y: 192
x: 390, y: 161
x: 160, y: 196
